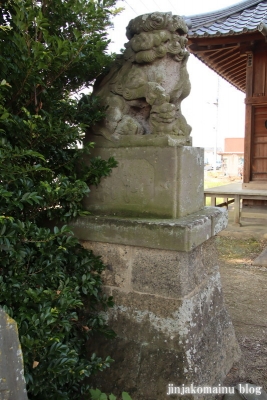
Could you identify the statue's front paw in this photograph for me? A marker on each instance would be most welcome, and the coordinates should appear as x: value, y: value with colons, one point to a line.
x: 129, y: 126
x: 163, y: 113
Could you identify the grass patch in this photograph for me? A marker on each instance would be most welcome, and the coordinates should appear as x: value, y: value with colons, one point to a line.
x: 210, y: 183
x: 238, y: 251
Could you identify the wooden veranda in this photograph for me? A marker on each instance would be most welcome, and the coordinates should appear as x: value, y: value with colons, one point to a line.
x: 233, y: 42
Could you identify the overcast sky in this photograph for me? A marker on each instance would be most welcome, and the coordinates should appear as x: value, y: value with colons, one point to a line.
x: 210, y: 123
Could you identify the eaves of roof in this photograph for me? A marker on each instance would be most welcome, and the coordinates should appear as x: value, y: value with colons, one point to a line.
x: 245, y: 17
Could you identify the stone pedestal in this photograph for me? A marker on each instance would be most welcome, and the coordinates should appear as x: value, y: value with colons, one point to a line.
x: 171, y: 322
x: 158, y: 179
x: 150, y: 226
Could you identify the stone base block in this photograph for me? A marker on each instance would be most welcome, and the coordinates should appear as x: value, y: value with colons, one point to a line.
x: 150, y: 181
x: 170, y: 318
x: 183, y: 234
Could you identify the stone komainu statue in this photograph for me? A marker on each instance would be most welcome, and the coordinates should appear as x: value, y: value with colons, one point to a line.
x: 145, y: 86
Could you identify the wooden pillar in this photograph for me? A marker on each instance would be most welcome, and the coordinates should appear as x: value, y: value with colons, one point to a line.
x: 249, y: 121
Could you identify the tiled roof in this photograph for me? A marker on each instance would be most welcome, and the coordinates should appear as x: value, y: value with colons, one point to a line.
x: 245, y: 17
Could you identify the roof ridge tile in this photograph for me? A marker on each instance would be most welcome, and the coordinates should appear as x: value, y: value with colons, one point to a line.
x: 230, y: 22
x: 200, y: 19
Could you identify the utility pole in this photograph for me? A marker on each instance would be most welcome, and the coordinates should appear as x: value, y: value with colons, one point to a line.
x: 216, y: 103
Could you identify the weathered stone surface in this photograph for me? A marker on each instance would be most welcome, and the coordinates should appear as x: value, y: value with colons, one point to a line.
x: 141, y: 141
x: 170, y: 319
x: 165, y: 273
x: 169, y: 273
x: 148, y: 369
x: 118, y: 260
x: 161, y: 182
x: 12, y: 382
x: 183, y: 234
x: 145, y: 87
x: 145, y: 368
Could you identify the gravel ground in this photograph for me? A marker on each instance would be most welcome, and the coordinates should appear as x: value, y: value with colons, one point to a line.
x: 245, y: 292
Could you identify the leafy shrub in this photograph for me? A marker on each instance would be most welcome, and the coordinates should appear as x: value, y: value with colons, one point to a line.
x: 46, y: 279
x: 49, y: 283
x: 96, y: 394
